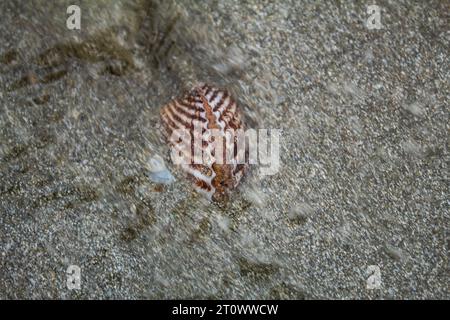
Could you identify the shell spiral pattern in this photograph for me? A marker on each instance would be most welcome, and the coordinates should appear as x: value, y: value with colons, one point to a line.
x: 205, y: 113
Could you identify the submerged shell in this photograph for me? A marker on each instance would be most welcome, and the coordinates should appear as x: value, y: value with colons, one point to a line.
x: 214, y: 111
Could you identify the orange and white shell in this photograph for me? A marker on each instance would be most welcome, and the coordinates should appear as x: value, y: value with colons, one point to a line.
x: 203, y: 113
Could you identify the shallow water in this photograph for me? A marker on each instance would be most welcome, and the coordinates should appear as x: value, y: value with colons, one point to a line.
x: 363, y: 149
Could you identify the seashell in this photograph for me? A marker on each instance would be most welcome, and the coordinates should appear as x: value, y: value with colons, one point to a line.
x: 210, y: 117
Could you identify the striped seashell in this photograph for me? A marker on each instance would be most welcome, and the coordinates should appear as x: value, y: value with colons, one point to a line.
x: 203, y: 114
